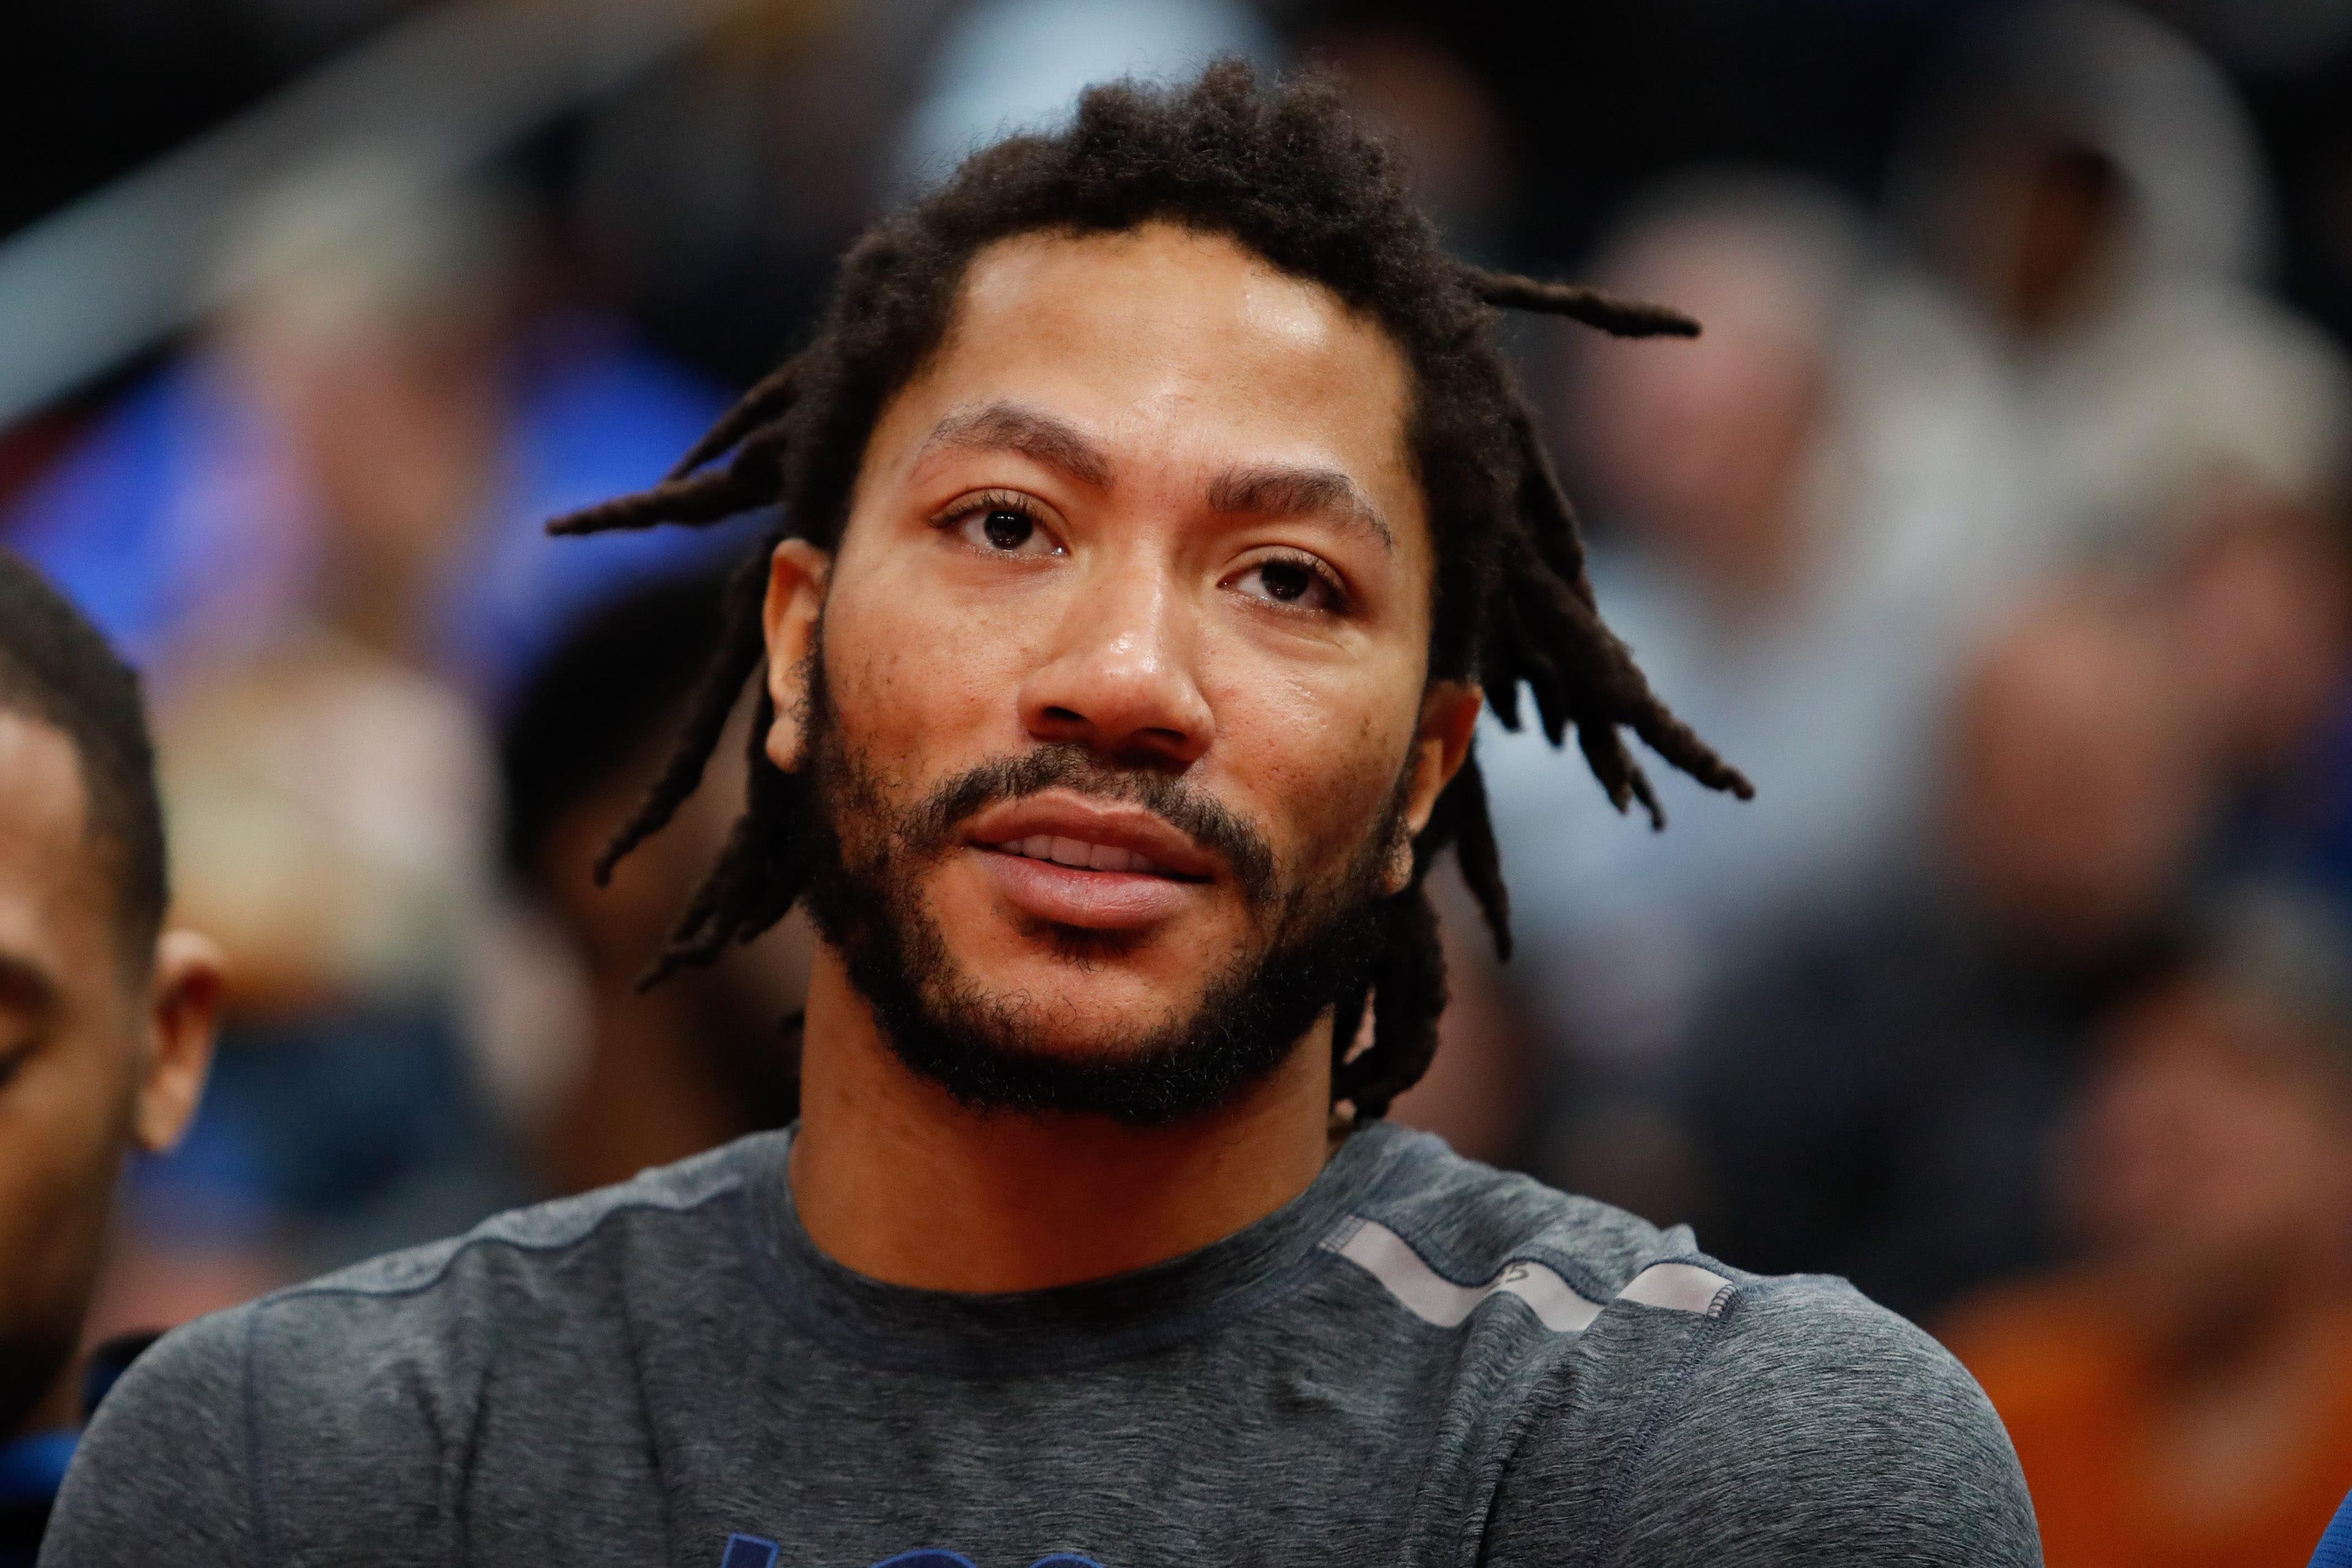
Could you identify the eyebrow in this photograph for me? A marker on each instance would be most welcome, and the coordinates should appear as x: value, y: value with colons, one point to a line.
x: 1010, y: 428
x: 1296, y: 492
x: 1271, y: 490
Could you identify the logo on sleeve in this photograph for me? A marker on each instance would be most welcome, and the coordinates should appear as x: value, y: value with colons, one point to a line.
x: 757, y: 1552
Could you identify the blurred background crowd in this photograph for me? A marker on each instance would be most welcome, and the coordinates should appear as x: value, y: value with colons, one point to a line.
x: 1999, y: 526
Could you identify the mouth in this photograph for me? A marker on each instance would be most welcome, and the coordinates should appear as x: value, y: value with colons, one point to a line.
x: 1084, y: 855
x: 1074, y: 862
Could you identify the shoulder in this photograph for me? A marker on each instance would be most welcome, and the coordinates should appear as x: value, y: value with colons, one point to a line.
x: 1806, y: 1421
x: 1748, y: 1416
x: 1565, y: 1256
x: 375, y: 1371
x: 539, y: 1236
x: 419, y: 1315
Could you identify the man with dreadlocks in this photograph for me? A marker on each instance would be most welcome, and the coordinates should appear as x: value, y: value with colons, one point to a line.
x: 1154, y: 512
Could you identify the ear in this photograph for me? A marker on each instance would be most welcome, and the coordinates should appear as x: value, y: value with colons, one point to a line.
x: 796, y: 573
x: 183, y: 1011
x: 1449, y: 718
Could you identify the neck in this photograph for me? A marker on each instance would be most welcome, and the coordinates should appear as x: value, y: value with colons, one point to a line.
x: 894, y: 1179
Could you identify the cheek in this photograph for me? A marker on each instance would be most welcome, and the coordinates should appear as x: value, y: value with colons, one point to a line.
x: 61, y: 1130
x: 923, y: 682
x: 1314, y: 760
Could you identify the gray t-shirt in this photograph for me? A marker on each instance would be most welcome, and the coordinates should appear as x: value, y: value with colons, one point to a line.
x: 1419, y: 1361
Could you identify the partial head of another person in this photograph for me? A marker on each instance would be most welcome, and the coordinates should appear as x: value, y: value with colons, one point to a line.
x: 1156, y: 508
x: 1711, y: 455
x: 2077, y: 789
x: 105, y: 1017
x: 2213, y: 1163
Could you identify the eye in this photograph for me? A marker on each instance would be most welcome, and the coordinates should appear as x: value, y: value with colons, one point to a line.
x: 1297, y: 581
x: 1001, y: 523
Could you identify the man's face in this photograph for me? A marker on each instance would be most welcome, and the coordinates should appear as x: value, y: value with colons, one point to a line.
x: 2214, y: 1156
x: 1124, y: 648
x: 69, y: 1023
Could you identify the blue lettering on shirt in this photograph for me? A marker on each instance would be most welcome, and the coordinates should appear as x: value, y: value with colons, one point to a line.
x: 757, y: 1552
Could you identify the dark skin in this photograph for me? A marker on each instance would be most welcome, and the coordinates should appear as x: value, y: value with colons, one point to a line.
x: 102, y: 1052
x: 1152, y: 497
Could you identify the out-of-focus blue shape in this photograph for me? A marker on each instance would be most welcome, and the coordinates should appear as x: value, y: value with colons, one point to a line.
x: 168, y: 505
x: 180, y: 522
x: 1007, y: 66
x: 595, y: 419
x: 2336, y: 1546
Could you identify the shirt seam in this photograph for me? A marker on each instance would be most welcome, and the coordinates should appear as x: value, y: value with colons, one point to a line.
x: 1672, y: 1393
x: 256, y: 1438
x: 732, y: 1187
x: 255, y: 1458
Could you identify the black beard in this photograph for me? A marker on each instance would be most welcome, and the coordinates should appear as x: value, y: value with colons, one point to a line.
x: 1251, y: 1016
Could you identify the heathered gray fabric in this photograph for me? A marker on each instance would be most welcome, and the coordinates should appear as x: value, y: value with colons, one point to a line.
x: 635, y: 1376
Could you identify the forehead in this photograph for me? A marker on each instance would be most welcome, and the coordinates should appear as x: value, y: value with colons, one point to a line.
x: 52, y: 901
x: 1184, y: 344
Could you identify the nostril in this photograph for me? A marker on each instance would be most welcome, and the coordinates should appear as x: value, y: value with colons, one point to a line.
x: 1065, y: 716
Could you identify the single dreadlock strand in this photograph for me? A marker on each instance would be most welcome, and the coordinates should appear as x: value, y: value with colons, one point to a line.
x: 1620, y: 318
x: 705, y: 499
x: 771, y: 397
x: 1499, y: 670
x: 1405, y: 1008
x: 1475, y: 853
x: 1545, y: 521
x: 758, y: 876
x: 740, y: 647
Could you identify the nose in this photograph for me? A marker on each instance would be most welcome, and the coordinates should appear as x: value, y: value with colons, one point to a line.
x: 1120, y: 676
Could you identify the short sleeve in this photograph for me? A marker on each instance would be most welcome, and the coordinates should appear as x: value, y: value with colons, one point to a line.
x: 163, y: 1473
x: 1805, y: 1424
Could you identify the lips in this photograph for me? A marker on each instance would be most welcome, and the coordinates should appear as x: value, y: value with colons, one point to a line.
x: 1081, y: 855
x: 1071, y: 861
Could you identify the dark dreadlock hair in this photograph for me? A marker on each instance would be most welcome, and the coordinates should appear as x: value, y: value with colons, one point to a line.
x: 1285, y: 171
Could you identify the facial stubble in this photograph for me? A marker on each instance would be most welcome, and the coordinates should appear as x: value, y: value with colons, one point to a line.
x: 1308, y: 942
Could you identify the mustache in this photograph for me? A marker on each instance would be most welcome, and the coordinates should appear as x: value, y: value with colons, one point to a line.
x: 1191, y: 811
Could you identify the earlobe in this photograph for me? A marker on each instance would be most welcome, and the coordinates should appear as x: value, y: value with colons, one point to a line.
x: 796, y: 577
x: 191, y: 978
x: 1398, y: 876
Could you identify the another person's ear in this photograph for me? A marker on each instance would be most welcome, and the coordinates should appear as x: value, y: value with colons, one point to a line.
x: 183, y: 1015
x: 796, y: 574
x: 1449, y: 718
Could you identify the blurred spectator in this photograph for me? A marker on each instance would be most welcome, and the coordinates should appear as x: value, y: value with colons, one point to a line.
x: 1875, y: 1096
x: 1799, y: 514
x: 2260, y: 595
x: 2184, y: 1396
x: 322, y: 530
x: 368, y: 440
x: 2092, y: 188
x: 1007, y: 66
x: 106, y: 1019
x: 704, y: 1058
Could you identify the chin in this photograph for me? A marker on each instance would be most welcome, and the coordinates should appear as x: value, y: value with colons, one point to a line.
x: 1108, y: 979
x: 1080, y: 1007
